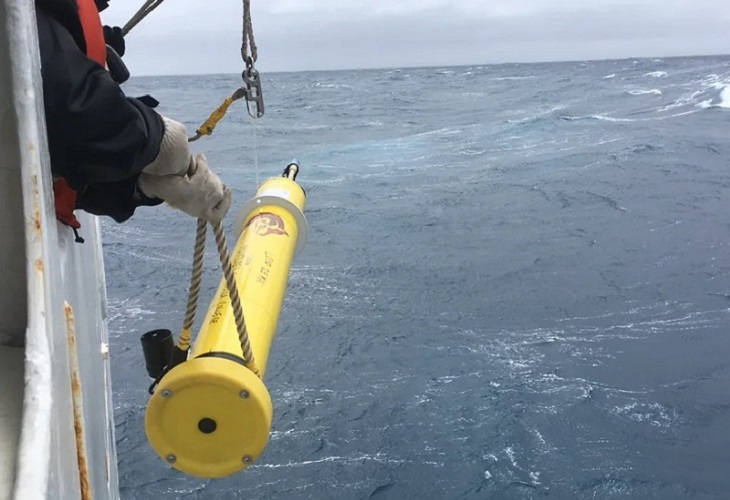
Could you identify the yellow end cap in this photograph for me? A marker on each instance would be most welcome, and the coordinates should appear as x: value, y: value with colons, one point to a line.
x: 209, y: 417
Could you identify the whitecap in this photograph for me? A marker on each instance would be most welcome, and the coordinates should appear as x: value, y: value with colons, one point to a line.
x: 644, y: 92
x: 705, y: 104
x: 509, y: 78
x: 331, y: 85
x: 657, y: 74
x: 653, y: 414
x: 683, y: 101
x: 510, y: 452
x: 612, y: 75
x: 725, y: 97
x: 356, y: 460
x: 540, y: 114
x: 125, y: 309
x: 603, y: 118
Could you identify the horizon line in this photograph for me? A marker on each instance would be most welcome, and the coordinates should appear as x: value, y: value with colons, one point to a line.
x: 392, y: 68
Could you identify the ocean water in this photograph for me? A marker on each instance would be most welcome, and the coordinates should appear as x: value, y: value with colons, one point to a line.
x: 516, y: 283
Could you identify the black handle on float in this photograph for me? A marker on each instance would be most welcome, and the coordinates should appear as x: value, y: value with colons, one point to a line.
x: 157, y: 347
x: 178, y: 356
x: 291, y: 170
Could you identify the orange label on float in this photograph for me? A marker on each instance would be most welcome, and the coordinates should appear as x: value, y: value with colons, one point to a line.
x: 267, y: 223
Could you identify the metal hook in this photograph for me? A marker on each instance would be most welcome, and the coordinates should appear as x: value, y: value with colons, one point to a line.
x: 253, y: 91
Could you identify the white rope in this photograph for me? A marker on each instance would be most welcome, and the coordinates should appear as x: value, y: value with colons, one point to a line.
x: 247, y: 34
x: 143, y: 12
x: 194, y: 292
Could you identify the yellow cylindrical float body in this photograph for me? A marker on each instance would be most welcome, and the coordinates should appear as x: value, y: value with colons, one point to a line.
x: 211, y: 415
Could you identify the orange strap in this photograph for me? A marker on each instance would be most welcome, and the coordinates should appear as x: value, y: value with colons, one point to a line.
x: 64, y: 198
x: 63, y: 194
x: 93, y: 31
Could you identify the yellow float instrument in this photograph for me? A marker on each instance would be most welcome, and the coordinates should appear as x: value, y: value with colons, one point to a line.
x: 210, y: 416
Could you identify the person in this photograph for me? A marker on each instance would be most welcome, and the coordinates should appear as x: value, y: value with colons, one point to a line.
x: 111, y: 153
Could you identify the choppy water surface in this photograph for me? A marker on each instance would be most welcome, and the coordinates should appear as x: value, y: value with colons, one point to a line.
x: 516, y: 284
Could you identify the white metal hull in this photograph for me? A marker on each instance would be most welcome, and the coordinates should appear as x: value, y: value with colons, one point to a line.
x: 57, y: 440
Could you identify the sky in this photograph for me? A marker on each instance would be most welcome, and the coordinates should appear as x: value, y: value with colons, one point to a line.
x: 204, y: 36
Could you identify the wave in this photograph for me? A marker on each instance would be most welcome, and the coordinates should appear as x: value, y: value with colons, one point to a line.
x: 644, y: 92
x: 653, y: 414
x: 332, y: 85
x: 603, y: 118
x: 725, y: 97
x: 124, y: 309
x: 606, y: 118
x: 537, y: 117
x: 716, y: 87
x: 509, y: 78
x: 342, y: 460
x: 724, y: 102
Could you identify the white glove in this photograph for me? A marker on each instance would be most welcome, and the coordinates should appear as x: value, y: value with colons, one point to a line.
x: 183, y: 181
x: 201, y: 194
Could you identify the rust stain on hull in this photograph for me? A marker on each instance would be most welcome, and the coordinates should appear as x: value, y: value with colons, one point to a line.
x: 78, y: 405
x: 37, y: 225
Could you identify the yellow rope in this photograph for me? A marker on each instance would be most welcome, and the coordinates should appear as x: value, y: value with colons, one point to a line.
x: 216, y: 116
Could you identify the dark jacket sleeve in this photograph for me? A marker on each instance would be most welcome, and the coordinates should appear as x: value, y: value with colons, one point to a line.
x: 118, y: 200
x: 96, y: 134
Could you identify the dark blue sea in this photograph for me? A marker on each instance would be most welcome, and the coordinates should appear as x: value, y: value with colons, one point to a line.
x: 516, y: 283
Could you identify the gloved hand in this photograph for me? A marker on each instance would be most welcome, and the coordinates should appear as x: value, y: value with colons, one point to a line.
x: 183, y: 181
x: 148, y: 101
x: 114, y: 38
x: 114, y: 51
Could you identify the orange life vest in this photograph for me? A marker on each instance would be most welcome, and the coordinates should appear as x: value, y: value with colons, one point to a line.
x: 65, y: 195
x: 93, y: 31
